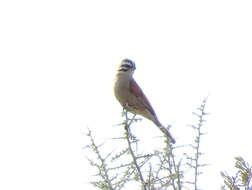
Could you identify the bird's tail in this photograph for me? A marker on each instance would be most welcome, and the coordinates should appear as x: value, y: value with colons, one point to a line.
x: 166, y: 132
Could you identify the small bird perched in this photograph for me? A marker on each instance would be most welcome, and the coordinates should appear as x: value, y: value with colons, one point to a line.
x: 132, y: 98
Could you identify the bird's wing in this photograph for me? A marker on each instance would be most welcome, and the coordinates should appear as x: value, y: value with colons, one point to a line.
x: 138, y: 93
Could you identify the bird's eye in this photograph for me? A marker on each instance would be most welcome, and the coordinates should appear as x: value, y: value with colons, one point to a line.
x: 127, y: 65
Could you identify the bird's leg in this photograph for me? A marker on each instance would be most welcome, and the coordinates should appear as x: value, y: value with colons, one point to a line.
x: 125, y: 113
x: 125, y: 110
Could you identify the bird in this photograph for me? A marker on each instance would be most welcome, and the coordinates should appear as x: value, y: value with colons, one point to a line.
x: 131, y: 97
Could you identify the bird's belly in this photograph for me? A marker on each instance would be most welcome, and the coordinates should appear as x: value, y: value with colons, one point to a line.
x: 121, y: 93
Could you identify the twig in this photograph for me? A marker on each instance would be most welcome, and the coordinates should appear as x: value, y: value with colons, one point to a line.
x: 103, y: 167
x: 128, y: 135
x: 172, y: 163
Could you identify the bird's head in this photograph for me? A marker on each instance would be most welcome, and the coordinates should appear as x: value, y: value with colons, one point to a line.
x: 127, y: 66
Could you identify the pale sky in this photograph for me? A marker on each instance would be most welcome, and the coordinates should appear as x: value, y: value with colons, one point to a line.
x: 57, y: 64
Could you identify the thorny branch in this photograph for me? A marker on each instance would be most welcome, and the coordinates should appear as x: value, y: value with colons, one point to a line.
x: 128, y: 137
x: 103, y: 170
x: 161, y: 169
x: 194, y: 161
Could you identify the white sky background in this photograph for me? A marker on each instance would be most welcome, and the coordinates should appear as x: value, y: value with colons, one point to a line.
x: 58, y: 60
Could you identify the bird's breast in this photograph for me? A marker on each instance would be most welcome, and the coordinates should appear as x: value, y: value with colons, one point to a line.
x: 121, y: 89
